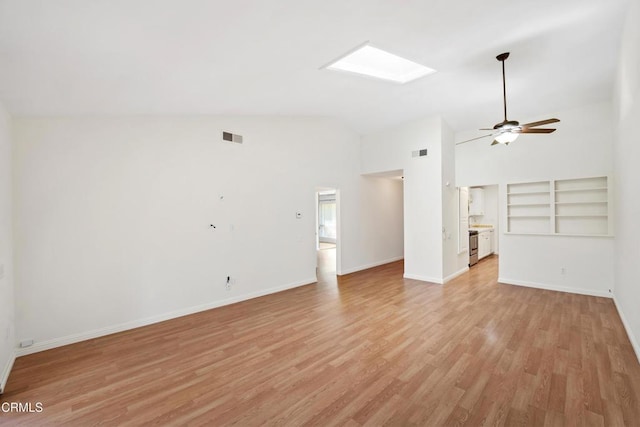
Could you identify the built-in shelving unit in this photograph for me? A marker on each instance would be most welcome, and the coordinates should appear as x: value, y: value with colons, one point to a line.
x: 529, y: 207
x: 582, y: 206
x: 561, y: 207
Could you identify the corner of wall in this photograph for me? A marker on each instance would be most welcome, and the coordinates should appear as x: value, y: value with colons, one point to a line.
x: 6, y: 371
x: 627, y: 328
x: 7, y: 301
x: 626, y: 107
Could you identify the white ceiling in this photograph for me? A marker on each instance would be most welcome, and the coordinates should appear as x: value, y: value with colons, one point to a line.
x: 95, y: 57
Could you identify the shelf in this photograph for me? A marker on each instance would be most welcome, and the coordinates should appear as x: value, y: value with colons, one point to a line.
x: 576, y: 207
x: 528, y: 192
x: 575, y: 190
x: 583, y: 216
x: 513, y: 233
x: 580, y: 203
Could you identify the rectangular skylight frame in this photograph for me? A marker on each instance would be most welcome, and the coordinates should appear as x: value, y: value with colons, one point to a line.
x: 370, y: 61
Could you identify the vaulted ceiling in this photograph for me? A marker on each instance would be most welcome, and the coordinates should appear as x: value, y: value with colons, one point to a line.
x: 183, y: 57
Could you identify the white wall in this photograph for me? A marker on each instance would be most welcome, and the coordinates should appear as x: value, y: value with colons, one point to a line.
x: 112, y: 216
x: 581, y: 147
x: 391, y: 150
x: 626, y: 151
x: 7, y: 324
x: 453, y: 264
x: 382, y: 214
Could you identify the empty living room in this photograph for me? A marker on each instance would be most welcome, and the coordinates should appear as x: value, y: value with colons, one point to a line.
x: 319, y: 213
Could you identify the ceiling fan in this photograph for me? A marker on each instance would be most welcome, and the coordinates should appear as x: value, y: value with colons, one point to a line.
x: 508, y: 130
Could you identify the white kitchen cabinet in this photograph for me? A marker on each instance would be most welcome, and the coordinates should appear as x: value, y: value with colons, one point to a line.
x: 476, y: 201
x: 484, y: 244
x: 492, y: 241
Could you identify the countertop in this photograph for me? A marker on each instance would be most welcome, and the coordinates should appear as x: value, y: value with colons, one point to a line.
x: 481, y: 228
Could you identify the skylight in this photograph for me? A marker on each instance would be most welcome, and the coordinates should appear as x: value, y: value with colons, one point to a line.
x: 373, y: 62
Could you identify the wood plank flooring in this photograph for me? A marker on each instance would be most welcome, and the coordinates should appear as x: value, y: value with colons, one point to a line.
x: 370, y: 348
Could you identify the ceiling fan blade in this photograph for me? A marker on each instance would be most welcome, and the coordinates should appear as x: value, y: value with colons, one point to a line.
x: 538, y: 130
x: 473, y: 139
x: 540, y: 123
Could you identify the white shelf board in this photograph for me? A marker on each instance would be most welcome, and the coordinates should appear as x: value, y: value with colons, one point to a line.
x: 583, y: 216
x: 577, y: 190
x: 528, y: 192
x: 515, y: 233
x: 581, y: 203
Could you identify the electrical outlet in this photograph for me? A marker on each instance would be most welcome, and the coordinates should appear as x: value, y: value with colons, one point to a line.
x: 563, y: 271
x: 26, y: 343
x: 228, y: 284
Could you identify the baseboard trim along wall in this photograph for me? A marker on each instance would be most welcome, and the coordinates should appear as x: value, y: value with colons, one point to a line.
x: 435, y: 280
x: 456, y: 274
x: 367, y: 266
x: 625, y: 323
x: 579, y: 291
x: 96, y: 333
x: 6, y: 371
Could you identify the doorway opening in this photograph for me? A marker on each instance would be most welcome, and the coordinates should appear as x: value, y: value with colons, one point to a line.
x: 327, y: 234
x: 484, y: 222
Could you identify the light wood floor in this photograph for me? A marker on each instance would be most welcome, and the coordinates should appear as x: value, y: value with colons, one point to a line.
x: 373, y: 349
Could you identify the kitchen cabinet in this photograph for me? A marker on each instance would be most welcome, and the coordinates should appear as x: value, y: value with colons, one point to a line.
x: 492, y: 241
x: 476, y: 201
x: 484, y: 243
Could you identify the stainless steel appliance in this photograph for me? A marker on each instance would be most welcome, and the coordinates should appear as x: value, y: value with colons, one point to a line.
x: 473, y: 247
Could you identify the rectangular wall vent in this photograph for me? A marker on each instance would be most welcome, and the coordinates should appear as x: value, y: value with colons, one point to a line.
x: 419, y: 153
x: 231, y: 137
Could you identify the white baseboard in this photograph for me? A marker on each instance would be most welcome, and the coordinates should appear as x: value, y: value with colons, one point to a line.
x: 627, y: 327
x: 83, y: 336
x: 367, y: 266
x: 570, y: 290
x: 6, y: 371
x: 456, y: 274
x: 423, y: 278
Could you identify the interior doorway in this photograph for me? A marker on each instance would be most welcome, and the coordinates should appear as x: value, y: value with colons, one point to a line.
x: 484, y: 221
x: 327, y: 233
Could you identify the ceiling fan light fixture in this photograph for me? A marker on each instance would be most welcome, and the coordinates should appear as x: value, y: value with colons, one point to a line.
x: 506, y: 137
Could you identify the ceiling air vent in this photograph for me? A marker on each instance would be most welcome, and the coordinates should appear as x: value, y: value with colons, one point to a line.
x: 231, y: 137
x: 419, y: 153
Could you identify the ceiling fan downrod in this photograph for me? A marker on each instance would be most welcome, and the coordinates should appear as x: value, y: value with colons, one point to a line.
x: 502, y: 57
